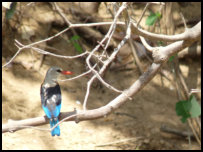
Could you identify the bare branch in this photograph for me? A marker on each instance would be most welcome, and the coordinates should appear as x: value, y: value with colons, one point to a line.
x: 147, y: 46
x: 185, y: 25
x: 170, y: 38
x: 147, y: 5
x: 111, y: 29
x: 78, y: 76
x: 137, y: 60
x: 89, y: 114
x: 63, y: 31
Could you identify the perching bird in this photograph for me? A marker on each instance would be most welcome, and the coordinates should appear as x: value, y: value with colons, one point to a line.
x: 51, y: 96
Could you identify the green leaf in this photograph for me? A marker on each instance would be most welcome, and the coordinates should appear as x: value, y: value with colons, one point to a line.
x: 158, y: 15
x: 171, y: 58
x: 161, y: 43
x: 195, y: 110
x: 10, y: 12
x: 75, y: 44
x: 182, y: 109
x: 188, y: 109
x: 152, y: 18
x: 77, y: 47
x: 75, y: 37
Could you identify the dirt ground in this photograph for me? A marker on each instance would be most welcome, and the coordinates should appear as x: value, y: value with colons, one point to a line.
x: 135, y: 125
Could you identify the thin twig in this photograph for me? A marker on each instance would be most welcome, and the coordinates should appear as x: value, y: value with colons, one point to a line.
x: 176, y: 132
x: 137, y: 60
x: 194, y: 131
x: 67, y: 22
x: 78, y: 76
x: 183, y: 19
x: 63, y: 31
x: 117, y: 142
x: 123, y: 6
x: 147, y: 5
x: 147, y: 46
x: 126, y: 114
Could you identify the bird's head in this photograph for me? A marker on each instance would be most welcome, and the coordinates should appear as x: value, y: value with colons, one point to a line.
x: 53, y: 73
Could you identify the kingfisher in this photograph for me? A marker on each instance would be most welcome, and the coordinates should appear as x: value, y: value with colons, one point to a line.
x: 51, y: 97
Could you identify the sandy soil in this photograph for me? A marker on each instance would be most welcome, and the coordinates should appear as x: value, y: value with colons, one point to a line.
x: 152, y: 107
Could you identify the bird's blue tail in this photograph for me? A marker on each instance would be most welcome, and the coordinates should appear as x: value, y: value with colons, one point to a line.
x: 56, y: 130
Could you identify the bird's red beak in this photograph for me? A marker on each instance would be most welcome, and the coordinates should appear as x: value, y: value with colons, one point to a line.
x: 67, y: 72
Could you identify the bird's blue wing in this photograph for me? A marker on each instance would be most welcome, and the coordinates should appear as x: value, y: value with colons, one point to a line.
x: 51, y: 100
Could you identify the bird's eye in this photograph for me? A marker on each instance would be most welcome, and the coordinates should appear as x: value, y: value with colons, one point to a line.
x: 59, y: 71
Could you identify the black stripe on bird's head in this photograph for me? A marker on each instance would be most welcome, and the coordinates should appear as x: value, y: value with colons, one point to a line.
x: 53, y: 73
